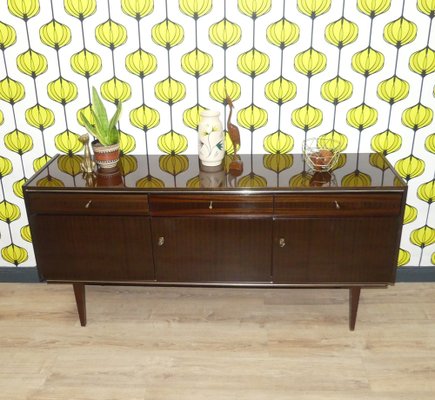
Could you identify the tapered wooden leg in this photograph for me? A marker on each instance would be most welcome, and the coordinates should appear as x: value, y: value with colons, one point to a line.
x: 354, y: 293
x: 80, y: 294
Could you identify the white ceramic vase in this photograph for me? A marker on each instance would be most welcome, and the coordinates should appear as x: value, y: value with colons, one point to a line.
x: 211, y: 138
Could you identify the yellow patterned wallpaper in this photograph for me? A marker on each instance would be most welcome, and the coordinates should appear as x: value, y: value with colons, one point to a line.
x: 358, y: 71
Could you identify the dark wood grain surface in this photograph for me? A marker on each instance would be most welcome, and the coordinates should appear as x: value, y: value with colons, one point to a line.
x: 211, y: 205
x: 79, y: 203
x: 338, y: 204
x: 97, y: 248
x: 212, y: 249
x: 258, y: 229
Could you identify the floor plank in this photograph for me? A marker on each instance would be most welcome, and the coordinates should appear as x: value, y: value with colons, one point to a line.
x: 199, y: 343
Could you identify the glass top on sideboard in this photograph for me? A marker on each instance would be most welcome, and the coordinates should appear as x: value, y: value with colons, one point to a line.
x: 260, y: 172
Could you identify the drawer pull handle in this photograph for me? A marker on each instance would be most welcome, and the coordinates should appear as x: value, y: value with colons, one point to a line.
x: 87, y: 205
x: 281, y: 242
x: 161, y: 241
x: 210, y: 205
x: 337, y: 206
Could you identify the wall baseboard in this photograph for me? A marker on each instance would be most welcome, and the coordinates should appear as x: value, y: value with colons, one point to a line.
x: 416, y: 274
x: 30, y: 274
x: 19, y: 275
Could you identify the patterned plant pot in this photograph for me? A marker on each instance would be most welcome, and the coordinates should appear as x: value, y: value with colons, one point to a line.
x: 106, y: 157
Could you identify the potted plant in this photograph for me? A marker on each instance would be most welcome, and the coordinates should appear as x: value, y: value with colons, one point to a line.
x: 106, y: 145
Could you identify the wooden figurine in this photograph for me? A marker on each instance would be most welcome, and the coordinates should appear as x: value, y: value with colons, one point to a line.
x: 236, y: 165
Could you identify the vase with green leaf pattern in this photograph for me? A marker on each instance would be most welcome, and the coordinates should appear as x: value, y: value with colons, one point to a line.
x: 211, y: 138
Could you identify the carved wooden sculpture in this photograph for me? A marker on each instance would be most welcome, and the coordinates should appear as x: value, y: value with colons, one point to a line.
x: 236, y: 165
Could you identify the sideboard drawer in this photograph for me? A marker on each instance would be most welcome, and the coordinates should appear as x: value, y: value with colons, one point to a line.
x: 211, y: 205
x: 87, y: 204
x: 338, y: 204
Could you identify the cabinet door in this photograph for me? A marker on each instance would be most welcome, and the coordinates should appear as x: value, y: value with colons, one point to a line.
x: 329, y: 250
x: 93, y: 248
x: 212, y: 249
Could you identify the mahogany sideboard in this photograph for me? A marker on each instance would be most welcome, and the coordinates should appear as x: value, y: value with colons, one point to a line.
x: 165, y: 220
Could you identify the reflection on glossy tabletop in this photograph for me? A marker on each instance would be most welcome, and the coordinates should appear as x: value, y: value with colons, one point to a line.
x: 260, y: 172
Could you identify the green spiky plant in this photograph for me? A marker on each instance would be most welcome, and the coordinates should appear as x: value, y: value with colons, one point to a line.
x: 104, y: 130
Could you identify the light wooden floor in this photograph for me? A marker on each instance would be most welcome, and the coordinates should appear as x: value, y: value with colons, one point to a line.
x: 166, y: 343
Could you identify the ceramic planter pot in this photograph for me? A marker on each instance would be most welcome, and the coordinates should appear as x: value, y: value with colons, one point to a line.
x: 106, y: 157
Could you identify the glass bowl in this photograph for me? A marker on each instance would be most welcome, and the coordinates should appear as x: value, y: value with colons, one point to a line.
x: 320, y: 154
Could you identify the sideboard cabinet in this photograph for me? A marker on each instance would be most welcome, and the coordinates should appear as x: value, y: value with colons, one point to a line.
x: 166, y: 220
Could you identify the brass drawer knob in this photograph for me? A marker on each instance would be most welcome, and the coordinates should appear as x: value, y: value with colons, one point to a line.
x: 210, y: 206
x: 281, y: 242
x: 161, y: 241
x: 88, y: 204
x: 337, y: 206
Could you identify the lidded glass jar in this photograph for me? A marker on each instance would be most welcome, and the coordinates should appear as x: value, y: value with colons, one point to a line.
x: 211, y: 138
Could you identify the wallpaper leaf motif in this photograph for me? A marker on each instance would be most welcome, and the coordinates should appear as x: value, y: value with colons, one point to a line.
x: 55, y: 34
x: 111, y: 34
x: 196, y: 62
x: 62, y: 91
x: 427, y: 7
x: 195, y: 9
x: 115, y: 90
x: 8, y: 36
x: 280, y: 90
x: 310, y: 62
x: 18, y: 142
x: 426, y: 192
x: 400, y: 32
x: 307, y: 117
x: 6, y: 167
x: 314, y: 8
x: 220, y: 88
x: 290, y: 80
x: 137, y: 9
x: 337, y: 90
x: 225, y: 33
x: 341, y: 32
x: 86, y: 63
x: 417, y: 117
x: 278, y: 143
x: 283, y: 33
x: 393, y: 90
x: 141, y: 63
x: 80, y: 9
x: 14, y: 254
x: 11, y: 91
x: 167, y: 34
x: 39, y: 117
x: 23, y: 9
x: 373, y: 8
x: 386, y: 142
